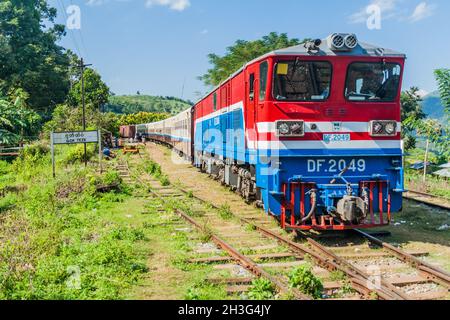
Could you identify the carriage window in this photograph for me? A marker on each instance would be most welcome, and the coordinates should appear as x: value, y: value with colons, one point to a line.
x: 372, y: 81
x: 302, y: 80
x: 263, y: 69
x: 215, y: 101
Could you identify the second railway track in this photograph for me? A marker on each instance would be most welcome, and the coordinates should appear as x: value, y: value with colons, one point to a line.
x: 399, y: 276
x: 428, y: 199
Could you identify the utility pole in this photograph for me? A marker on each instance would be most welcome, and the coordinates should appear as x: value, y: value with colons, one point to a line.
x: 82, y: 66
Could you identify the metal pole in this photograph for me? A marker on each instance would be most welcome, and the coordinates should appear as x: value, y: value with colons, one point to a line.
x: 53, y: 154
x: 425, y: 166
x: 84, y: 108
x: 100, y: 150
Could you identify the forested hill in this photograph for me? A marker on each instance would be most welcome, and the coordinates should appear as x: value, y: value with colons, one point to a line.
x: 432, y: 106
x: 136, y: 103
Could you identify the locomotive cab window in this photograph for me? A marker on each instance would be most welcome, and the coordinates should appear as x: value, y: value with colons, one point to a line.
x: 372, y: 81
x: 302, y: 80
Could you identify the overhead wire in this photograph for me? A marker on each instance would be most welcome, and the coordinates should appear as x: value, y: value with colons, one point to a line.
x: 71, y: 33
x: 80, y: 32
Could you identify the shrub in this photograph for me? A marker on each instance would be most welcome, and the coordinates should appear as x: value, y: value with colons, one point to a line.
x: 225, y: 212
x: 303, y: 279
x: 261, y: 289
x: 76, y: 154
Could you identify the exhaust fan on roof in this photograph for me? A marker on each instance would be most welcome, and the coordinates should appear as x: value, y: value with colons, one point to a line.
x: 342, y: 41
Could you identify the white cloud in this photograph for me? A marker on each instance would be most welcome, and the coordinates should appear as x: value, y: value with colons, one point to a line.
x: 388, y: 10
x: 422, y: 11
x: 96, y: 2
x: 422, y: 93
x: 177, y: 5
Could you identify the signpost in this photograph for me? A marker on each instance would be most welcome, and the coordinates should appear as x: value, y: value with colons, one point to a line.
x: 75, y: 137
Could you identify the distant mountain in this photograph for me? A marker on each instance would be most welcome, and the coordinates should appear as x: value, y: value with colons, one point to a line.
x: 128, y: 104
x: 432, y: 106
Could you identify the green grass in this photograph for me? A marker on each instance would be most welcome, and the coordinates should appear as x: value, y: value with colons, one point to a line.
x: 206, y: 291
x: 154, y: 169
x: 434, y: 185
x: 60, y: 241
x: 225, y: 212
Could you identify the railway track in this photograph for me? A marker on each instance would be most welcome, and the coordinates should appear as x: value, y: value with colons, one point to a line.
x: 403, y: 277
x: 428, y: 199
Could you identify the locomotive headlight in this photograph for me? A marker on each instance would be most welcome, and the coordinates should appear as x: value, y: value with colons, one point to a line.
x: 284, y: 129
x: 291, y: 128
x: 377, y: 128
x: 383, y: 128
x: 390, y: 127
x: 297, y: 128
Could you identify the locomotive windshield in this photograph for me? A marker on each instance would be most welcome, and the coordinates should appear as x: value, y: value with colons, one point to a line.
x: 302, y: 81
x: 372, y: 81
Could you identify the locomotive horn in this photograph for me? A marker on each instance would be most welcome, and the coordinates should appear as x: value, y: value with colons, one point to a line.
x: 313, y: 45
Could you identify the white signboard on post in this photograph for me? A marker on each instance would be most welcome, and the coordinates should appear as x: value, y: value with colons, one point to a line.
x: 76, y: 137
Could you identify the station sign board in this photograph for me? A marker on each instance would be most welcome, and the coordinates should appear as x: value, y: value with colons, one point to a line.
x: 75, y: 137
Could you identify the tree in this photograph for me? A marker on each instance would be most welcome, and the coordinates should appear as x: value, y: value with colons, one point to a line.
x: 411, y: 113
x: 16, y: 121
x: 96, y: 91
x: 411, y: 104
x: 142, y: 117
x: 30, y: 59
x: 241, y: 53
x: 443, y: 79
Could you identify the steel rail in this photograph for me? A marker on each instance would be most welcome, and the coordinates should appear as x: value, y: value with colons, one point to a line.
x: 423, y: 194
x: 433, y: 273
x: 428, y: 203
x: 244, y: 261
x: 361, y: 281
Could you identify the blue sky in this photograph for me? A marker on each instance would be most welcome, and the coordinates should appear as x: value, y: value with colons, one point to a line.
x: 155, y: 46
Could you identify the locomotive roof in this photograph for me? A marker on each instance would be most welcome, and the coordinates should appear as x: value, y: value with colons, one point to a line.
x: 362, y: 49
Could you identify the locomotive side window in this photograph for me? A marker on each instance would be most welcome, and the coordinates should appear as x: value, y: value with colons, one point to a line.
x: 302, y: 80
x: 372, y: 81
x: 263, y: 70
x: 215, y: 101
x: 251, y: 85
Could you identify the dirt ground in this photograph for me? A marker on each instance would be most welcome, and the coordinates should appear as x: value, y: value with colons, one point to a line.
x: 417, y: 228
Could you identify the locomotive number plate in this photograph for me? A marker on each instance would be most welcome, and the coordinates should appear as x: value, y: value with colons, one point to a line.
x: 336, y: 165
x: 336, y: 137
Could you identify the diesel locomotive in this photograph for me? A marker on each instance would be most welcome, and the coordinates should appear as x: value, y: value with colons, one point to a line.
x: 312, y: 133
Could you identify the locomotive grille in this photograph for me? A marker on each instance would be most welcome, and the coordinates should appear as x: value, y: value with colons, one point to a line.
x: 338, y: 41
x: 351, y: 41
